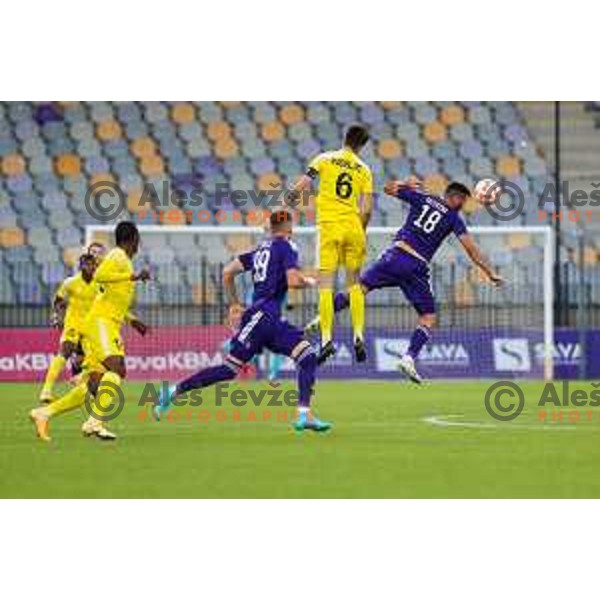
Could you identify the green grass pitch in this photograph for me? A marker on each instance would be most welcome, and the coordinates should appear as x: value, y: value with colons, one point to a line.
x: 383, y: 445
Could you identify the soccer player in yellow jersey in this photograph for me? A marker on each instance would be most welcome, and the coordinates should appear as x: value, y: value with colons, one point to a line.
x: 344, y: 204
x: 102, y: 345
x: 72, y: 302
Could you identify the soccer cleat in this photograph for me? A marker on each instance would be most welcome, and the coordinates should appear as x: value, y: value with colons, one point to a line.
x: 93, y: 427
x: 306, y: 421
x: 46, y: 397
x: 40, y: 420
x: 312, y: 328
x: 164, y: 401
x: 327, y: 351
x: 360, y: 350
x: 407, y: 367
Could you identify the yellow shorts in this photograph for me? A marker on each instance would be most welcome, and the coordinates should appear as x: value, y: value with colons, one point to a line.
x: 102, y: 339
x: 342, y: 245
x: 71, y: 335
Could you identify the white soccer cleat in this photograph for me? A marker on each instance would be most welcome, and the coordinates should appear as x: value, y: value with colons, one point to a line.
x: 407, y: 367
x: 93, y: 427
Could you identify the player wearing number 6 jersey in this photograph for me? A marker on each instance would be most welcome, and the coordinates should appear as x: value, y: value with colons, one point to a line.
x: 405, y: 264
x: 344, y: 205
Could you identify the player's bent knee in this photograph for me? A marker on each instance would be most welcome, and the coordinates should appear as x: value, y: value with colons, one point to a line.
x: 232, y: 366
x: 116, y: 364
x: 429, y: 321
x: 305, y: 356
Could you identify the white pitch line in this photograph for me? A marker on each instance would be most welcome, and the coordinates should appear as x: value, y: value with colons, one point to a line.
x: 442, y: 421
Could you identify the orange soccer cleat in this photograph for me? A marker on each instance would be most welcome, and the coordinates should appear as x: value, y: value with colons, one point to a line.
x: 42, y: 425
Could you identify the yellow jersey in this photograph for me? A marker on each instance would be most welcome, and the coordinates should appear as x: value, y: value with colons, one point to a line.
x: 343, y: 179
x: 80, y: 296
x: 118, y: 288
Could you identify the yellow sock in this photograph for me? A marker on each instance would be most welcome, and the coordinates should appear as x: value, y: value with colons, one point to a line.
x: 72, y: 399
x: 107, y: 392
x: 57, y: 364
x: 326, y: 314
x: 357, y: 311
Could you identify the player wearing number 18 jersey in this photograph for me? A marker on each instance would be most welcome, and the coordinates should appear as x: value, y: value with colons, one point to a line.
x: 344, y: 205
x: 405, y: 264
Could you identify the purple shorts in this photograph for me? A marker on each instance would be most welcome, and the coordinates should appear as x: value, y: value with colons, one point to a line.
x: 397, y: 268
x: 260, y: 330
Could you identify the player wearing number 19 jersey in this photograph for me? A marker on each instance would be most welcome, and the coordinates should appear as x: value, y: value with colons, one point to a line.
x: 405, y: 264
x: 344, y: 205
x: 275, y: 268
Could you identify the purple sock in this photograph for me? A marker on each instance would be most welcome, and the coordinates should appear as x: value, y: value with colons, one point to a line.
x: 419, y: 338
x: 206, y: 377
x: 341, y: 301
x: 307, y: 367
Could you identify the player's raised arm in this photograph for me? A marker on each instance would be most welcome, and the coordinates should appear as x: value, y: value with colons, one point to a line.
x: 403, y: 189
x: 474, y: 253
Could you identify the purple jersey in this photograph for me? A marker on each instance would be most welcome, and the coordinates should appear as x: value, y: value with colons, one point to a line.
x: 430, y: 221
x: 269, y: 264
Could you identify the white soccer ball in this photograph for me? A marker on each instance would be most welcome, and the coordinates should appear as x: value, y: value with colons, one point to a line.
x: 486, y: 191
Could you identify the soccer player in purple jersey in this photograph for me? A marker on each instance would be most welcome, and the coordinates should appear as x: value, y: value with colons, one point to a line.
x: 405, y: 264
x: 275, y: 268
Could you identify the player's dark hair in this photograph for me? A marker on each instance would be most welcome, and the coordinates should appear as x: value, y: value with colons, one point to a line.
x: 279, y: 218
x: 455, y: 187
x: 126, y: 232
x: 356, y: 137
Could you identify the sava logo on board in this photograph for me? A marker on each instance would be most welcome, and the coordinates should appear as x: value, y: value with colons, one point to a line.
x: 389, y: 350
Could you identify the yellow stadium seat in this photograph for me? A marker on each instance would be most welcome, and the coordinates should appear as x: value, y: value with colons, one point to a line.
x: 435, y: 132
x: 108, y: 130
x: 101, y: 177
x: 238, y: 243
x: 226, y: 148
x: 590, y: 255
x: 273, y: 131
x: 71, y: 256
x: 218, y: 130
x: 204, y: 294
x: 182, y: 113
x: 508, y: 166
x: 291, y: 114
x: 389, y: 149
x: 11, y: 237
x: 519, y: 240
x: 142, y: 147
x: 471, y: 206
x: 269, y: 182
x: 463, y: 294
x: 68, y: 165
x: 436, y: 183
x: 13, y: 164
x: 452, y: 115
x: 152, y: 165
x: 391, y: 104
x: 134, y: 203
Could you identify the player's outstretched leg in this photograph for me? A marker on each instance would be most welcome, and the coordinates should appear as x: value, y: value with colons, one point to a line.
x: 419, y: 338
x: 41, y: 416
x: 306, y: 363
x: 204, y: 378
x: 357, y: 313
